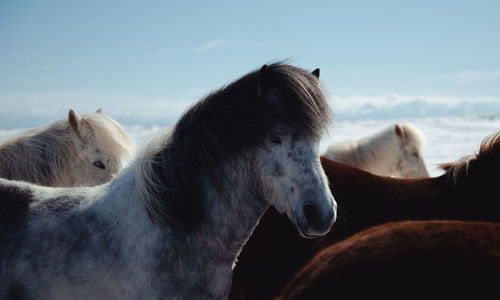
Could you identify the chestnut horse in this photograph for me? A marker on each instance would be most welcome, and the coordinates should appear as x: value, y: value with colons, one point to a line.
x: 467, y: 191
x: 424, y: 258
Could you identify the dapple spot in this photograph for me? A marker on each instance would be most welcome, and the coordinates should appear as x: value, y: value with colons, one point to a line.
x: 15, y: 205
x: 16, y: 292
x: 278, y: 169
x: 61, y: 204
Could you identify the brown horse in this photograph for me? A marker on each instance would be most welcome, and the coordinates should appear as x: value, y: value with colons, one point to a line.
x: 399, y: 259
x: 467, y: 191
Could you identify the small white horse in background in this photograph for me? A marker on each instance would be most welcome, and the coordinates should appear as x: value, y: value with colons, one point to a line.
x: 394, y: 151
x: 78, y: 150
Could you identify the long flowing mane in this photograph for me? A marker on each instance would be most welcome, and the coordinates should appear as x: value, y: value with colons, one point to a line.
x: 218, y: 129
x: 488, y: 156
x: 41, y: 155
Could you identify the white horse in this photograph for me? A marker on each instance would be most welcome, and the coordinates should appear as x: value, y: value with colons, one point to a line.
x: 172, y: 224
x: 78, y: 150
x: 394, y: 151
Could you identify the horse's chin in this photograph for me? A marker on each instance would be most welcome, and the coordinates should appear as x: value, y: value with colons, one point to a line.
x: 293, y: 218
x: 303, y: 233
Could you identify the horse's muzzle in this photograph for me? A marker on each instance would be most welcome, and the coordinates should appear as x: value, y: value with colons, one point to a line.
x: 315, y: 220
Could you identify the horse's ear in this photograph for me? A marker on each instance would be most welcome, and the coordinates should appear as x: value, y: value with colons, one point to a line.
x: 98, y: 111
x: 74, y: 120
x: 399, y: 131
x: 316, y: 73
x: 261, y: 82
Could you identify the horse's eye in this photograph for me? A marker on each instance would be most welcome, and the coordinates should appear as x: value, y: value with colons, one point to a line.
x: 99, y: 164
x: 415, y: 154
x: 275, y: 140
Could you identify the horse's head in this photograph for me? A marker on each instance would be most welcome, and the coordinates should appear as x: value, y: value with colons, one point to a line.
x: 410, y: 160
x: 257, y: 137
x: 101, y: 144
x: 294, y: 182
x: 288, y: 164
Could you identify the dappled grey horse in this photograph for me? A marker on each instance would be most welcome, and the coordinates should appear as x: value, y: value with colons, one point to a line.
x: 172, y: 225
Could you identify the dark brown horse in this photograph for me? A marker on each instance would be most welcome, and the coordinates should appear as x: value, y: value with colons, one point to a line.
x: 402, y: 259
x: 467, y: 191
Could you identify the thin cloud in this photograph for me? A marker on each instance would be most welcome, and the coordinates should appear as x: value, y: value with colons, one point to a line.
x: 473, y: 76
x: 212, y: 45
x: 160, y: 52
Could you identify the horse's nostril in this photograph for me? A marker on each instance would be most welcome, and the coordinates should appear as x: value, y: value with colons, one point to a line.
x: 317, y: 222
x: 310, y: 212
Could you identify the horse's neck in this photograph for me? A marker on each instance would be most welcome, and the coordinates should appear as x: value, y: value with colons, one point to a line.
x: 188, y: 265
x: 377, y: 154
x: 208, y: 254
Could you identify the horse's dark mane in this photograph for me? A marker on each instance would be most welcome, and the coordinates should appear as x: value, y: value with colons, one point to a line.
x: 225, y: 124
x: 488, y: 156
x: 15, y: 205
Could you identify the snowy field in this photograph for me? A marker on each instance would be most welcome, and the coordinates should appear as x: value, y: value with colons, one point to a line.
x: 448, y: 138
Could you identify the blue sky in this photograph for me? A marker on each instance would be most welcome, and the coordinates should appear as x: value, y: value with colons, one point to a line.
x: 156, y: 57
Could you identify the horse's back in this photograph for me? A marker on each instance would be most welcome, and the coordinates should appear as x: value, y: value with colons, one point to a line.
x: 48, y: 235
x: 421, y: 257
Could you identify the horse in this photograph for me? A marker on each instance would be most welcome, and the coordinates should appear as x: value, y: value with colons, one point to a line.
x: 393, y: 151
x: 171, y: 225
x: 80, y: 150
x: 440, y: 258
x: 468, y: 190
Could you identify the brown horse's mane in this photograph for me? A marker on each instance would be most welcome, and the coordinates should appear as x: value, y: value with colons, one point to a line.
x: 489, y: 151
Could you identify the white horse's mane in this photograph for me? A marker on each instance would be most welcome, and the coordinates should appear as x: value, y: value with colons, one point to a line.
x: 40, y: 154
x: 142, y: 167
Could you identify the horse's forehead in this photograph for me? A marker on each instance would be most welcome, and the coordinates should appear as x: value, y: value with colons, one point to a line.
x: 298, y: 150
x: 95, y: 138
x: 409, y: 147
